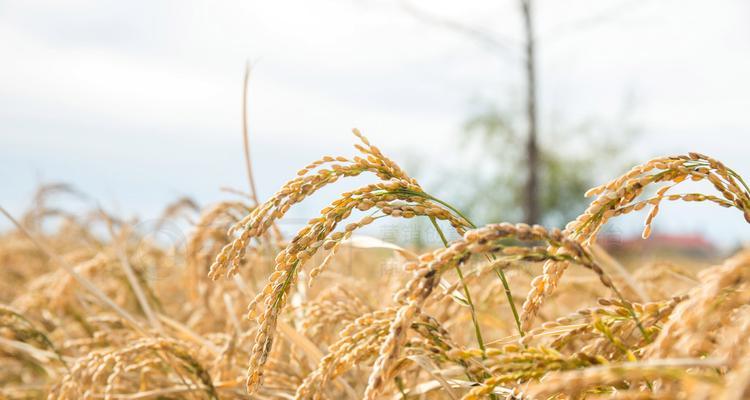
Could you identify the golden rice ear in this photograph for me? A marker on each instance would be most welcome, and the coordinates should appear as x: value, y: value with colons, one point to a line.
x: 398, y: 198
x: 620, y: 196
x: 90, y: 316
x: 309, y: 180
x: 490, y: 239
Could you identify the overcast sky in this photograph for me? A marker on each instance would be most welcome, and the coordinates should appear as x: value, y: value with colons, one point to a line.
x: 138, y: 102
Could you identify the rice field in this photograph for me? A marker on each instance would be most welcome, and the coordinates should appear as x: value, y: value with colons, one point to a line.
x: 91, y: 310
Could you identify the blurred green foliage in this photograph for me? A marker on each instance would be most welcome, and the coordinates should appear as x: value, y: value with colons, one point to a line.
x: 574, y: 157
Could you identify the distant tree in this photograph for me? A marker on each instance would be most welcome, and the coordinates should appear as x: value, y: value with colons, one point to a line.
x: 531, y: 197
x: 570, y: 161
x: 552, y: 181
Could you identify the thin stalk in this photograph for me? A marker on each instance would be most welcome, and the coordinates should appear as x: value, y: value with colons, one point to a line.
x: 474, y: 319
x: 130, y: 275
x: 246, y: 140
x: 401, y: 388
x: 499, y: 272
x: 739, y: 178
x: 633, y: 315
x: 82, y: 280
x: 246, y: 149
x: 450, y: 207
x: 285, y: 285
x: 731, y: 172
x: 509, y: 295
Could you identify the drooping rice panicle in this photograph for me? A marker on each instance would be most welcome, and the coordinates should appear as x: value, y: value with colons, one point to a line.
x: 620, y: 196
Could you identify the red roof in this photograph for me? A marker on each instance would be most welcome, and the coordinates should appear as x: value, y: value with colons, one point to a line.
x: 670, y: 241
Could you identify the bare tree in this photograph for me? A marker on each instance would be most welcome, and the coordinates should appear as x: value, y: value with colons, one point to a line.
x: 532, y: 212
x: 531, y: 198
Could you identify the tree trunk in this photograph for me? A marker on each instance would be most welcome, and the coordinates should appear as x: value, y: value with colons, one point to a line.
x: 531, y: 192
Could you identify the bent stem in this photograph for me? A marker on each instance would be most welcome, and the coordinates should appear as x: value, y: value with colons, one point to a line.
x: 474, y: 319
x: 499, y: 272
x: 509, y: 295
x: 633, y: 315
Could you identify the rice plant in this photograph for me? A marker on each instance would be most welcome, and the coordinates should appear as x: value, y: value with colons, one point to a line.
x: 506, y: 311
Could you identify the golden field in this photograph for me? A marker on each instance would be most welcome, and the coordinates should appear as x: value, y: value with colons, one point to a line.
x: 90, y: 310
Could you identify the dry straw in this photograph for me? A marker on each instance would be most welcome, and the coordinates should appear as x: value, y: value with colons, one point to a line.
x: 80, y: 316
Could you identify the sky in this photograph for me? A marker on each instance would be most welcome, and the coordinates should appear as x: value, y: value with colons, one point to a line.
x: 137, y: 103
